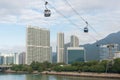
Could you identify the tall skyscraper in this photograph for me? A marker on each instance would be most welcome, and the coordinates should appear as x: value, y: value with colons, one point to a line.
x: 38, y: 45
x: 60, y: 47
x: 74, y: 41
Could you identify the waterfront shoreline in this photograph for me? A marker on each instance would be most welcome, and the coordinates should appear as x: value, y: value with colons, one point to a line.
x: 76, y: 74
x: 85, y: 74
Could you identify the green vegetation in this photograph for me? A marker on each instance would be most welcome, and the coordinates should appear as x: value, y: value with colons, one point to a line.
x: 91, y: 66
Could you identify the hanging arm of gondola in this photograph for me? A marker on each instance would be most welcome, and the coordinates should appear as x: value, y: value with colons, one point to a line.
x: 46, y: 4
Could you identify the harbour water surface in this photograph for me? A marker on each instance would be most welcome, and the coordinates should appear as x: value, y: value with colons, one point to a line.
x: 45, y: 77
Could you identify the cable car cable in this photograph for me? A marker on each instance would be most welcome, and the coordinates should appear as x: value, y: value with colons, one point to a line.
x: 85, y: 30
x: 66, y: 17
x: 75, y: 10
x: 71, y: 21
x: 81, y: 17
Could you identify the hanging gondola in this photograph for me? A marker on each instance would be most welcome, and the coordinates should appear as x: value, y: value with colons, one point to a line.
x: 47, y: 12
x: 86, y: 30
x: 86, y: 27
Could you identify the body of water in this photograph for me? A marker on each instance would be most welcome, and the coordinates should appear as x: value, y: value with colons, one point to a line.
x: 45, y: 77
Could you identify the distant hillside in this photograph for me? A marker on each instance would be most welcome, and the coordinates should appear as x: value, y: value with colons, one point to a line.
x: 92, y: 51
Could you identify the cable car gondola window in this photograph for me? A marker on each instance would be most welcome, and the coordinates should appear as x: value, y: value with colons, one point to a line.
x: 47, y: 13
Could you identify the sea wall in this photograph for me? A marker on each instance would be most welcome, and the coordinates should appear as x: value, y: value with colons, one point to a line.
x: 84, y: 74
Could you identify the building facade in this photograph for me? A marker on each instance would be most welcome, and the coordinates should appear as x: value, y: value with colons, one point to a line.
x: 117, y: 55
x: 76, y: 54
x: 7, y: 59
x: 1, y: 60
x: 65, y: 50
x: 22, y: 57
x: 54, y: 57
x: 74, y: 41
x: 38, y: 45
x: 16, y: 58
x: 60, y: 48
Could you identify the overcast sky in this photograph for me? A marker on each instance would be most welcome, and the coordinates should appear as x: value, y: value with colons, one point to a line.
x: 15, y: 15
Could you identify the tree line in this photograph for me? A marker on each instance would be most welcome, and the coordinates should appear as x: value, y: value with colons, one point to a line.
x: 90, y: 66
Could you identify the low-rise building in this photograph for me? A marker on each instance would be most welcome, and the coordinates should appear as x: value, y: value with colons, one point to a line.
x: 75, y: 54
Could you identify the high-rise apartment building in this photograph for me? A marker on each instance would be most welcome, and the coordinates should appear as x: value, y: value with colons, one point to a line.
x: 38, y: 45
x: 74, y: 41
x: 60, y: 47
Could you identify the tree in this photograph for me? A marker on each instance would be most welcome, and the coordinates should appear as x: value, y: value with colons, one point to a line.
x: 78, y: 64
x: 30, y: 70
x: 58, y: 68
x: 104, y: 63
x: 97, y: 68
x: 116, y: 66
x: 85, y: 68
x: 91, y: 63
x: 40, y: 69
x: 24, y: 68
x: 34, y: 65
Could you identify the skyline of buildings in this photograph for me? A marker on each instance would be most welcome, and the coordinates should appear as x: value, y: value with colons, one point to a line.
x: 70, y: 52
x: 39, y: 49
x: 7, y: 58
x: 11, y: 58
x: 37, y: 44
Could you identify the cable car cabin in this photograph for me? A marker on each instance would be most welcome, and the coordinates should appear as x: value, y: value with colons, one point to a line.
x: 86, y: 30
x: 97, y: 45
x: 47, y: 13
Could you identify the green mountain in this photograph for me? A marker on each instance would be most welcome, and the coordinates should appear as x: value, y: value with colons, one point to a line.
x: 92, y: 50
